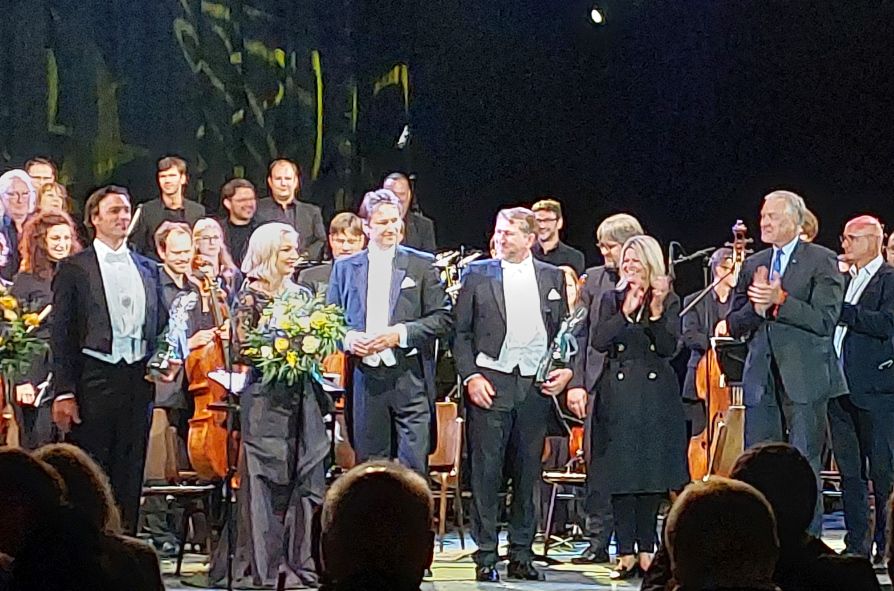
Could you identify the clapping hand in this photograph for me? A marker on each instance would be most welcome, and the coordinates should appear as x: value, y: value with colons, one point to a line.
x: 660, y: 289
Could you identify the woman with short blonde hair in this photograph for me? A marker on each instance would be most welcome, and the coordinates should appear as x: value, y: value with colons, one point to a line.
x: 648, y: 253
x: 208, y: 237
x: 265, y: 242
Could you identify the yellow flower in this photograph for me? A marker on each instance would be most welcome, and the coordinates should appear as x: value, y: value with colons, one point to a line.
x: 8, y: 302
x: 9, y: 315
x: 251, y: 351
x: 280, y: 344
x: 285, y: 325
x: 318, y: 319
x: 303, y: 323
x: 310, y: 345
x: 292, y: 358
x: 31, y: 319
x: 266, y: 352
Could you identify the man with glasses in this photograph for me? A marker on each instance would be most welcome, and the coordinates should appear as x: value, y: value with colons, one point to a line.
x: 549, y: 248
x: 240, y: 200
x: 42, y: 171
x: 346, y: 237
x: 19, y: 198
x: 862, y: 422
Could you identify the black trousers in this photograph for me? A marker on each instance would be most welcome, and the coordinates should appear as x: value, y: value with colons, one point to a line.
x: 392, y: 414
x: 115, y: 403
x: 777, y: 417
x: 519, y: 428
x: 861, y: 442
x: 636, y: 521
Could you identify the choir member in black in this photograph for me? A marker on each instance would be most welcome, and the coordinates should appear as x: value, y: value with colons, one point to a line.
x: 19, y: 200
x: 240, y: 201
x: 284, y: 440
x: 707, y: 319
x: 171, y: 205
x: 47, y: 239
x: 611, y: 235
x: 284, y: 205
x: 639, y: 430
x: 549, y: 248
x: 208, y: 238
x: 508, y: 311
x: 419, y: 230
x: 346, y: 237
x: 108, y: 314
x: 42, y: 171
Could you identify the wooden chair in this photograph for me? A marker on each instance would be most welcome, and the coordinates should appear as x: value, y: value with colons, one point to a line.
x: 444, y: 467
x: 572, y: 474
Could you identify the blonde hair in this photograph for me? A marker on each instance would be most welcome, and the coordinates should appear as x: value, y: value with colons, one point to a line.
x: 618, y: 228
x: 651, y: 258
x: 263, y: 246
x: 225, y: 261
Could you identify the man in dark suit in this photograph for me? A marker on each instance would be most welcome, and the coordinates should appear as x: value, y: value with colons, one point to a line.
x: 507, y: 313
x: 284, y: 205
x: 395, y: 308
x: 786, y: 305
x: 419, y: 231
x: 108, y: 314
x: 240, y: 201
x: 346, y: 237
x: 171, y: 205
x: 611, y: 235
x: 862, y: 422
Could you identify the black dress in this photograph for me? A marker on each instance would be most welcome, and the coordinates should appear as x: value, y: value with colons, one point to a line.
x: 639, y: 431
x: 36, y: 424
x: 282, y: 472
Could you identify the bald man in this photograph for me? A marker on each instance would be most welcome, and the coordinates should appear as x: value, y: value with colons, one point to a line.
x: 862, y: 422
x: 419, y: 231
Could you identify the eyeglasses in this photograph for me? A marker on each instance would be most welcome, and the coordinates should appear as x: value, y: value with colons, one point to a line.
x: 546, y: 220
x: 208, y: 239
x: 853, y: 237
x: 17, y: 196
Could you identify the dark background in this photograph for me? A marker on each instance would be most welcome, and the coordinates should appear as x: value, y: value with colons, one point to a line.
x: 682, y: 113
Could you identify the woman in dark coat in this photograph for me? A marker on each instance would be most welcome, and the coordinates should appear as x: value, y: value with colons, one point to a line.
x: 639, y: 430
x: 47, y: 238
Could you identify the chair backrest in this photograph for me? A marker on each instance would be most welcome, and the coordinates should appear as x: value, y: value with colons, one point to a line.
x: 446, y: 455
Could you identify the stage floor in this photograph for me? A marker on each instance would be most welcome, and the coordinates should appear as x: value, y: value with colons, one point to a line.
x: 453, y: 569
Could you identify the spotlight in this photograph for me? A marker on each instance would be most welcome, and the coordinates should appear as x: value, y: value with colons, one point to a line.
x: 597, y: 15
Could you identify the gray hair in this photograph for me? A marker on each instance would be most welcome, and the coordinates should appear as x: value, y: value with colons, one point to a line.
x: 375, y: 199
x: 260, y: 258
x: 794, y: 204
x: 6, y: 183
x: 618, y: 228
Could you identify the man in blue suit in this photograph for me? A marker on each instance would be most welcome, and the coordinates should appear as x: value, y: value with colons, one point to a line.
x: 862, y: 422
x: 395, y: 308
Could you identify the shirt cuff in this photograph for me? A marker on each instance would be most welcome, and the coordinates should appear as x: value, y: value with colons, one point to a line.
x: 402, y: 335
x: 469, y: 378
x: 64, y: 397
x: 350, y: 337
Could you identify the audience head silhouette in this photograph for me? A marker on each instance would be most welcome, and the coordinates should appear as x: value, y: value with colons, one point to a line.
x: 376, y: 528
x: 89, y: 491
x: 30, y: 493
x: 721, y: 534
x: 783, y: 475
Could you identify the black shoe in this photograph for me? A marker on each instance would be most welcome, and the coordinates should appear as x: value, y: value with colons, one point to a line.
x: 591, y: 556
x: 878, y: 562
x: 524, y: 571
x: 621, y: 573
x: 487, y: 574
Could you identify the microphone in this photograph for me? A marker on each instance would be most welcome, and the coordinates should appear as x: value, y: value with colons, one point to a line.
x: 404, y: 138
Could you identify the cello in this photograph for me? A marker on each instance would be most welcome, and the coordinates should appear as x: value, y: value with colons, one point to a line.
x: 208, y: 440
x: 714, y: 450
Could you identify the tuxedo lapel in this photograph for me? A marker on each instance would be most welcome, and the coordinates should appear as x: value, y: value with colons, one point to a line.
x: 360, y: 265
x: 496, y: 286
x: 97, y: 286
x: 398, y: 272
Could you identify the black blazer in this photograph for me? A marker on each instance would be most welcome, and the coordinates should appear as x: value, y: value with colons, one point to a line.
x: 153, y: 214
x: 799, y: 335
x: 81, y: 314
x: 868, y: 349
x: 316, y: 278
x: 419, y: 232
x: 589, y: 361
x: 481, y: 310
x: 306, y: 218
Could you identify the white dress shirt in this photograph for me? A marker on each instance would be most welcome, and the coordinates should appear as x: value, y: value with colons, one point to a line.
x: 378, y: 306
x: 859, y: 280
x: 126, y: 299
x: 525, y: 342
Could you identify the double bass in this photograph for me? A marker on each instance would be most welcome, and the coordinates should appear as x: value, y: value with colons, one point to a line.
x: 208, y: 439
x: 715, y: 449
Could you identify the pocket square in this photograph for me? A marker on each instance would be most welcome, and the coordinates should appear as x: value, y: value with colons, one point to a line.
x: 407, y: 283
x: 553, y: 295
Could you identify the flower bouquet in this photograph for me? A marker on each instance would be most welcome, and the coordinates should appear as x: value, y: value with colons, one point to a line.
x: 18, y: 343
x: 295, y: 333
